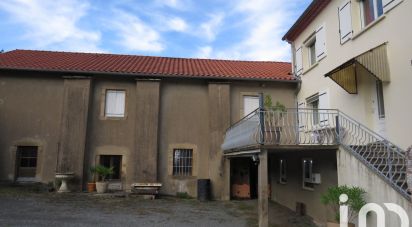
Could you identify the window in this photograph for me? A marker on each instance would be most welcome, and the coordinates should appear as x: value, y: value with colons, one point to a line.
x: 283, y: 171
x: 307, y: 165
x: 114, y: 161
x: 311, y: 47
x: 250, y: 104
x: 115, y: 103
x: 182, y: 162
x: 313, y: 103
x: 370, y: 11
x: 27, y: 161
x: 379, y: 93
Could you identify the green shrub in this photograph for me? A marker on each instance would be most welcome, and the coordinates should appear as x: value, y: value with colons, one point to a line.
x: 355, y: 201
x: 103, y: 171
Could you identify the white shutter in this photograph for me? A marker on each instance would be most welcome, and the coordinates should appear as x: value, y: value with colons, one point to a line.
x: 320, y: 45
x: 345, y: 21
x: 250, y: 103
x: 324, y: 105
x: 115, y: 103
x: 302, y: 116
x: 298, y: 61
x: 120, y: 103
x: 110, y: 103
x: 389, y: 4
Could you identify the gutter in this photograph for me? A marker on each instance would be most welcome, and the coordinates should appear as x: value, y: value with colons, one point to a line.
x: 162, y: 76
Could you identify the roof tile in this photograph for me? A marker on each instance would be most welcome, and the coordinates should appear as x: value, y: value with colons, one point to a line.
x: 144, y: 65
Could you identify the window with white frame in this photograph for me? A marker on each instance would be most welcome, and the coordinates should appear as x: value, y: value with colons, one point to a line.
x: 313, y: 103
x: 283, y: 171
x: 307, y: 166
x: 379, y: 94
x: 182, y: 162
x: 115, y: 103
x: 370, y: 11
x: 311, y: 49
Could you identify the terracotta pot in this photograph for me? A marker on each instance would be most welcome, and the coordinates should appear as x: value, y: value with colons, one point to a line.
x: 334, y: 224
x: 91, y: 187
x: 101, y: 187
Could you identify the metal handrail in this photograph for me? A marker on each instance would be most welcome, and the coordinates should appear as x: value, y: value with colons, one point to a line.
x: 298, y: 126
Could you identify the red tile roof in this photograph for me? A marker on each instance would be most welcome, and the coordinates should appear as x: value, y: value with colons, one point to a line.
x: 144, y: 65
x: 305, y: 19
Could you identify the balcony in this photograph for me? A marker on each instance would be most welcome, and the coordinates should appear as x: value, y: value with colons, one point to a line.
x: 300, y: 129
x: 283, y: 128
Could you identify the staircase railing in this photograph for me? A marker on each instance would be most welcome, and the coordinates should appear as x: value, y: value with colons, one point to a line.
x: 322, y: 127
x: 379, y: 154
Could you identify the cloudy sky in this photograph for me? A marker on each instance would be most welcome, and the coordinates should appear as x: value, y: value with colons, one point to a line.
x: 224, y: 29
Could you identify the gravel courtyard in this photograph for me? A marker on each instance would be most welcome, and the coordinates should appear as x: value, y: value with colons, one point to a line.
x: 30, y: 207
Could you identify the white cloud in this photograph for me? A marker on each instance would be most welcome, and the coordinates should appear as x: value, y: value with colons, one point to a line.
x: 53, y: 24
x: 134, y: 34
x: 264, y: 24
x: 177, y: 24
x: 182, y: 5
x: 211, y: 28
x: 204, y: 52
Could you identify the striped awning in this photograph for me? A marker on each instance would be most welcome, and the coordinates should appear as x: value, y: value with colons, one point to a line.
x: 375, y: 61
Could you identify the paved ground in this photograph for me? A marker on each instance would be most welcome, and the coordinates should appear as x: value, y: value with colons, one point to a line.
x: 34, y: 207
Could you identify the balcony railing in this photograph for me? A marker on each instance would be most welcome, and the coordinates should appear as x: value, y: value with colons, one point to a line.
x: 308, y: 127
x: 290, y: 127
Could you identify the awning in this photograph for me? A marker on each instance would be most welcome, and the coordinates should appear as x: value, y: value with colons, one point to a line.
x: 375, y: 61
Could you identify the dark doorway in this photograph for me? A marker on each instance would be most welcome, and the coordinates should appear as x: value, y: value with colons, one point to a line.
x: 114, y: 161
x: 243, y: 178
x: 26, y: 162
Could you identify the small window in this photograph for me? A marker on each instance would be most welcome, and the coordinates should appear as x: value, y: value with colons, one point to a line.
x: 182, y: 162
x: 26, y: 161
x: 311, y: 47
x: 313, y: 103
x: 307, y: 165
x: 115, y: 103
x: 283, y: 171
x: 250, y: 104
x: 114, y: 161
x: 381, y: 105
x: 370, y: 11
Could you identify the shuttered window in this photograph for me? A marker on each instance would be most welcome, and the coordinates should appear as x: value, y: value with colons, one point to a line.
x: 250, y: 104
x: 298, y: 61
x: 320, y: 44
x: 345, y: 21
x: 323, y: 107
x: 115, y: 103
x: 390, y: 4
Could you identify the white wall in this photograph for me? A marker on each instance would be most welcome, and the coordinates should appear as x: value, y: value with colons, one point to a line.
x: 395, y: 30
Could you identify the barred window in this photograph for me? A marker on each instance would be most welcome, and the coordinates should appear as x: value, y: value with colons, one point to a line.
x: 182, y: 162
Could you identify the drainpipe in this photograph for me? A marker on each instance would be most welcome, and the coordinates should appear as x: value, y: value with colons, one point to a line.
x: 409, y: 168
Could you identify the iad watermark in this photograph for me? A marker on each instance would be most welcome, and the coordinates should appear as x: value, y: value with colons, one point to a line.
x: 380, y: 213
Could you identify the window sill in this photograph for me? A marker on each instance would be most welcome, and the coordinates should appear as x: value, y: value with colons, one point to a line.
x: 308, y: 189
x: 357, y: 34
x: 310, y: 68
x: 104, y: 118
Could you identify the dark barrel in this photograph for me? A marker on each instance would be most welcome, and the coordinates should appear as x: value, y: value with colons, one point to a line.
x: 203, y: 189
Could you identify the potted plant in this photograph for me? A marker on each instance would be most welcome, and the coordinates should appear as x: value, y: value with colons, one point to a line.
x: 273, y: 117
x: 355, y: 202
x: 103, y: 172
x: 91, y: 186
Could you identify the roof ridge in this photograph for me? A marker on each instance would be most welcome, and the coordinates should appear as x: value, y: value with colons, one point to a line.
x: 131, y: 55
